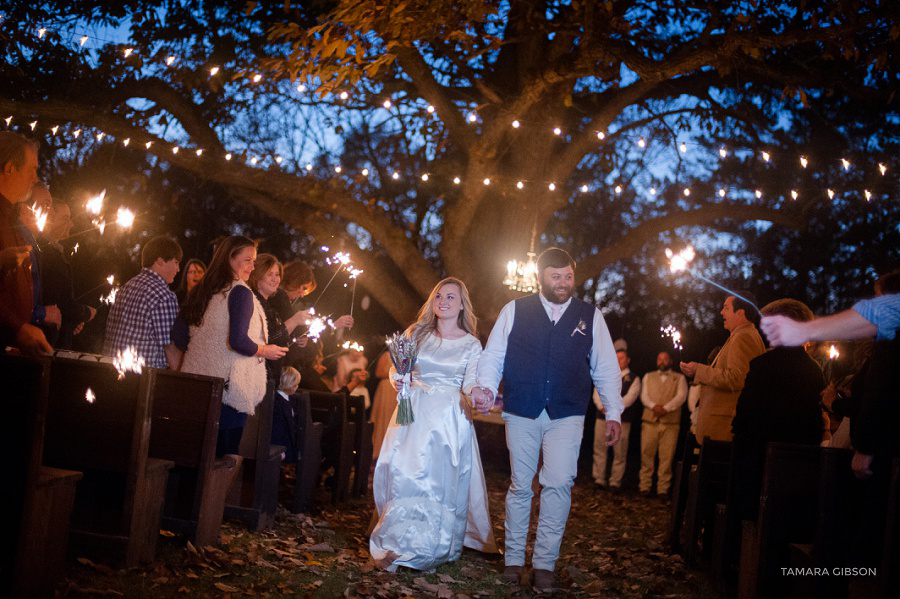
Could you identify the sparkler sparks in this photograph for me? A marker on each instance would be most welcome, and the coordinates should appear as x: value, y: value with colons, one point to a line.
x: 110, y: 298
x: 40, y: 217
x: 681, y: 262
x: 128, y: 361
x: 674, y: 334
x: 89, y: 396
x: 95, y: 204
x: 833, y: 353
x: 353, y: 345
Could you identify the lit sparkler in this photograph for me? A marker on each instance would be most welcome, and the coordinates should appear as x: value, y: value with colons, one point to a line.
x: 682, y: 261
x: 353, y: 345
x: 125, y: 218
x: 128, y: 360
x: 40, y: 217
x: 110, y: 298
x: 95, y: 204
x: 89, y: 396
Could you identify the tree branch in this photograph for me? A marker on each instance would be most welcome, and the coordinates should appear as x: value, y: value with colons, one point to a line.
x: 636, y: 238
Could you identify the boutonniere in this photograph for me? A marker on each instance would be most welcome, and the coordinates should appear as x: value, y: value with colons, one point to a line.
x: 580, y: 328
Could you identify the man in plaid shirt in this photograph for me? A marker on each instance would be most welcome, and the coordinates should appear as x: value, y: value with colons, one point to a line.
x: 145, y: 307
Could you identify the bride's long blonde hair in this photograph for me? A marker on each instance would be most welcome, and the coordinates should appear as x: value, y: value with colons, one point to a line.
x: 426, y: 321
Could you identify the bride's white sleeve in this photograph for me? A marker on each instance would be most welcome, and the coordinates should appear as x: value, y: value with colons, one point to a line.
x: 471, y: 377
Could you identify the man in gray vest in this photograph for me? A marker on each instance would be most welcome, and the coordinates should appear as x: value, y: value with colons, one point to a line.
x: 662, y: 393
x: 549, y: 349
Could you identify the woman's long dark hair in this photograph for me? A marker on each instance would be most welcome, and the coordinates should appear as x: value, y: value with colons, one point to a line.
x: 218, y: 277
x: 182, y: 284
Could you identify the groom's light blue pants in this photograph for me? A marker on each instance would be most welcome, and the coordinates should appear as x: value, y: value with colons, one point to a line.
x: 558, y: 441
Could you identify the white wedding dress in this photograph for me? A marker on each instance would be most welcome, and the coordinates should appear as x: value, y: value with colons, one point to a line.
x: 430, y: 494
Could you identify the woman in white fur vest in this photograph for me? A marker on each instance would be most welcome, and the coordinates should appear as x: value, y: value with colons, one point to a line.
x: 222, y: 330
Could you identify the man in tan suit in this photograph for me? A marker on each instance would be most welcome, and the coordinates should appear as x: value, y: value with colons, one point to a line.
x: 721, y: 382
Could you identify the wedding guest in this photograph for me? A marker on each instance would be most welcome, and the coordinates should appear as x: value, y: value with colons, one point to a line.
x: 662, y: 395
x: 191, y: 274
x: 18, y: 173
x: 384, y: 404
x: 631, y: 385
x: 430, y: 494
x: 348, y: 360
x: 222, y: 331
x: 145, y: 308
x: 721, y: 382
x: 548, y: 348
x: 45, y: 315
x: 58, y: 283
x: 284, y: 430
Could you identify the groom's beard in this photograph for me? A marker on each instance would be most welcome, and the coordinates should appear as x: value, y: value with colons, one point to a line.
x: 558, y: 294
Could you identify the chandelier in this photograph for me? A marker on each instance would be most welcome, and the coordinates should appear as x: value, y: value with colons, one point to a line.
x: 523, y: 276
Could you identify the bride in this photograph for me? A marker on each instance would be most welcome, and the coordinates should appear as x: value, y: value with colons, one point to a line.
x: 430, y: 494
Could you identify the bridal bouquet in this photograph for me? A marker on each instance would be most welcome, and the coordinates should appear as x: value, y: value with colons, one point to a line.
x: 403, y: 352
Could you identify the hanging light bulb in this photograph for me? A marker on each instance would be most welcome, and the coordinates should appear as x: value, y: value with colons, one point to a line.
x: 683, y: 147
x: 721, y: 193
x: 83, y: 40
x: 653, y: 191
x: 618, y: 189
x: 794, y: 194
x: 557, y: 131
x: 601, y: 135
x: 126, y: 141
x: 387, y: 104
x: 642, y: 143
x: 846, y: 164
x: 308, y: 166
x: 472, y: 117
x: 257, y: 78
x: 584, y: 189
x: 830, y: 194
x: 344, y: 95
x: 301, y: 88
x: 723, y: 152
x: 199, y: 151
x: 228, y: 156
x: 425, y: 177
x: 430, y: 109
x: 395, y: 176
x: 882, y: 168
x: 175, y: 150
x: 552, y: 187
x: 365, y: 172
x: 868, y: 195
x: 687, y: 191
x: 766, y: 156
x: 758, y: 194
x: 214, y: 71
x: 76, y: 133
x: 486, y: 181
x: 32, y: 124
x: 170, y: 60
x: 520, y: 185
x: 516, y: 124
x: 55, y: 129
x: 803, y: 161
x: 148, y: 144
x: 456, y: 181
x: 128, y: 52
x: 338, y: 169
x: 41, y: 33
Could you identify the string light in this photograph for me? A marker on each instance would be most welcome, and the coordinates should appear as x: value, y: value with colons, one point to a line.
x: 148, y: 144
x: 766, y: 156
x: 213, y: 71
x: 228, y: 156
x: 55, y: 129
x: 552, y: 187
x: 721, y: 193
x: 387, y: 104
x: 254, y: 160
x: 794, y: 194
x: 758, y: 194
x: 170, y: 60
x: 126, y: 141
x: 76, y: 133
x: 882, y: 168
x: 199, y: 152
x: 100, y: 136
x: 687, y: 191
x: 175, y: 150
x: 486, y: 181
x: 425, y: 177
x: 520, y: 185
x: 344, y: 95
x: 338, y: 169
x: 83, y: 40
x: 395, y: 176
x: 830, y: 194
x: 723, y: 152
x: 365, y: 172
x: 301, y: 88
x: 683, y: 147
x: 128, y: 52
x: 279, y: 159
x: 456, y: 181
x: 584, y: 189
x: 41, y: 33
x: 846, y: 164
x: 868, y: 195
x: 472, y: 117
x: 557, y: 131
x: 803, y: 161
x: 430, y: 109
x: 618, y: 189
x: 308, y: 166
x: 32, y: 125
x: 8, y: 120
x: 653, y: 191
x: 601, y: 135
x: 642, y: 143
x: 516, y: 124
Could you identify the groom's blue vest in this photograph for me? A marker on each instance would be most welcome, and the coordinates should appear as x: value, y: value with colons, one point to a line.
x: 546, y: 365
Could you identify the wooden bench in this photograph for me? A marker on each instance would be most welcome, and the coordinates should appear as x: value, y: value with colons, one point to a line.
x: 254, y: 495
x: 337, y: 438
x: 309, y: 453
x: 35, y: 531
x: 118, y: 504
x: 840, y: 500
x: 681, y: 478
x: 707, y: 486
x: 787, y: 514
x: 362, y: 444
x: 185, y: 424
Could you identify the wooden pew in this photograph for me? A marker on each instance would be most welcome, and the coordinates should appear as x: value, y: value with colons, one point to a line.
x: 362, y: 444
x: 787, y: 514
x: 707, y: 485
x: 840, y: 500
x: 254, y: 495
x: 889, y: 571
x: 184, y: 427
x: 119, y: 502
x: 309, y: 453
x: 337, y: 438
x: 681, y: 479
x: 35, y: 529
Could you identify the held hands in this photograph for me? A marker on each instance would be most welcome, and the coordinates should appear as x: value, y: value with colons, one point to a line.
x: 53, y: 316
x: 659, y: 411
x: 483, y: 399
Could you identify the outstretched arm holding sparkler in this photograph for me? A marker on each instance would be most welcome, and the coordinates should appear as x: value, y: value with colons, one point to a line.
x: 846, y: 325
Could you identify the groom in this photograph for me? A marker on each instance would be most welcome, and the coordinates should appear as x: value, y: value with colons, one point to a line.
x: 550, y: 349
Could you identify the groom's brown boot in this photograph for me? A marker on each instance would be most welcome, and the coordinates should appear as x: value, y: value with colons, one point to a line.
x: 542, y: 580
x: 513, y: 574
